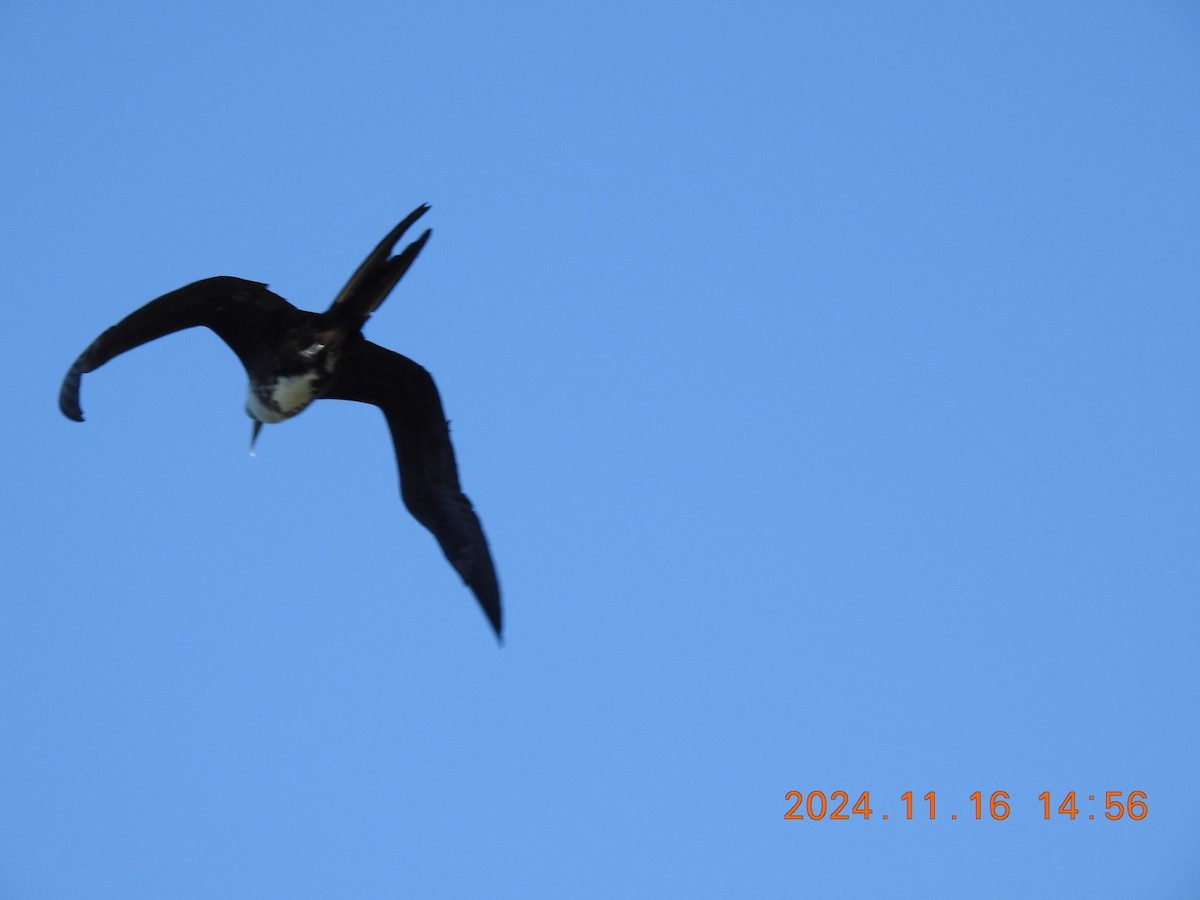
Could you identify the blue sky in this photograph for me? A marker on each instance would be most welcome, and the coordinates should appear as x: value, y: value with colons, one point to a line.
x: 824, y: 375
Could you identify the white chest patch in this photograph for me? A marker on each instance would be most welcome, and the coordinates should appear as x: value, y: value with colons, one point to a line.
x: 288, y: 396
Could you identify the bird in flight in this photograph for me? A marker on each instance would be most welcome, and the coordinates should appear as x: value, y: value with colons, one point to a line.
x: 293, y: 357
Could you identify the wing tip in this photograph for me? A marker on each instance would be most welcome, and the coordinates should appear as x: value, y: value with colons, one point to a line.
x: 497, y: 624
x: 68, y: 395
x: 486, y: 588
x: 488, y: 597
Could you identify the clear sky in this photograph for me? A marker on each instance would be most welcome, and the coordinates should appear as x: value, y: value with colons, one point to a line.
x: 825, y: 375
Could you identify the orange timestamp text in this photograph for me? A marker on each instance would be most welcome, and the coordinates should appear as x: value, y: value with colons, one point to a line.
x: 836, y: 807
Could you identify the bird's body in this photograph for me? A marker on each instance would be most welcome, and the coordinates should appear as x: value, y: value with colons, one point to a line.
x: 282, y: 396
x: 293, y: 357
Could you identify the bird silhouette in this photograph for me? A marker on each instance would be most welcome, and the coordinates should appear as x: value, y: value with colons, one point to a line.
x: 293, y: 357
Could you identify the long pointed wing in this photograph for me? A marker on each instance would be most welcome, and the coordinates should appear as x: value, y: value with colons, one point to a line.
x: 234, y: 308
x: 374, y: 279
x: 428, y: 473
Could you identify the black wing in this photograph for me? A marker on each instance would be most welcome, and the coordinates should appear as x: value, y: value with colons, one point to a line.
x: 429, y: 485
x: 234, y: 308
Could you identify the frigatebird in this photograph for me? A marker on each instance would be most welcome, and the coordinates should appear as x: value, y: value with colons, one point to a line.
x: 293, y: 357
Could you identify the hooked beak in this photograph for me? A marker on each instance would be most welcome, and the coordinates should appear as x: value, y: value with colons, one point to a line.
x: 254, y: 435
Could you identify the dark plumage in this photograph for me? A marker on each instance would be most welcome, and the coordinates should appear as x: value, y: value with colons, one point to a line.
x: 294, y: 357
